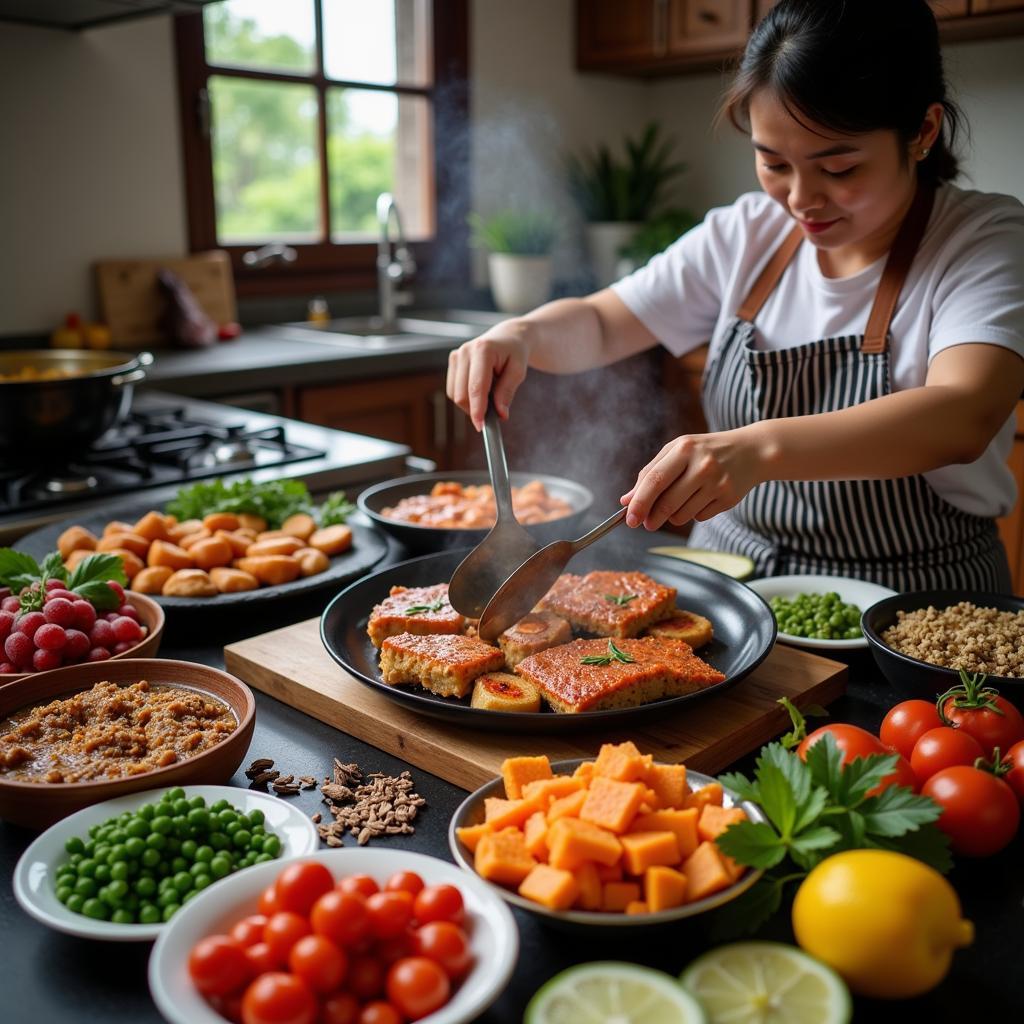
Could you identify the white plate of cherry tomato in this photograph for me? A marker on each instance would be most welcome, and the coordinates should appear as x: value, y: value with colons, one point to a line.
x: 320, y: 938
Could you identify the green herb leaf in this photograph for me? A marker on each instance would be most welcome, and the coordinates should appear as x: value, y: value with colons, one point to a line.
x: 754, y: 843
x: 98, y: 594
x: 825, y: 763
x: 15, y: 566
x: 806, y: 849
x: 620, y: 599
x: 596, y: 659
x: 862, y: 774
x: 275, y: 500
x: 739, y: 785
x: 335, y: 509
x: 928, y: 844
x: 101, y: 567
x: 618, y: 654
x: 53, y: 567
x: 777, y: 798
x: 897, y: 811
x: 421, y: 609
x: 792, y: 768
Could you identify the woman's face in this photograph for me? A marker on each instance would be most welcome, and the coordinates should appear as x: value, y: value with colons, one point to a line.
x: 843, y: 190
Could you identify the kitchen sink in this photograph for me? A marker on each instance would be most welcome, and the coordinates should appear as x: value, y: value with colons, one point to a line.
x: 367, y: 333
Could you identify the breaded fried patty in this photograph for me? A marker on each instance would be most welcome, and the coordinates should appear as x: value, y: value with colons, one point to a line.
x: 683, y: 625
x: 659, y: 668
x: 445, y: 664
x: 536, y: 632
x: 618, y: 604
x: 421, y: 610
x: 503, y: 691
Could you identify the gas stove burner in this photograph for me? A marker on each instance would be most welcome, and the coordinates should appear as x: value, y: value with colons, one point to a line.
x: 238, y: 447
x: 70, y: 484
x: 41, y: 486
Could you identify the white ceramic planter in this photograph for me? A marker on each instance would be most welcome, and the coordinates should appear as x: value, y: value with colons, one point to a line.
x: 519, y: 283
x: 604, y: 240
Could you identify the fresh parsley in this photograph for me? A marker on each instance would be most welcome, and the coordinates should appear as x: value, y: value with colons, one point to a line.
x: 89, y: 580
x: 421, y: 609
x: 815, y: 809
x: 615, y: 653
x: 620, y: 599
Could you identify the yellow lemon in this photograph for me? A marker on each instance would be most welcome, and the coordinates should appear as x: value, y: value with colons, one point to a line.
x: 887, y: 923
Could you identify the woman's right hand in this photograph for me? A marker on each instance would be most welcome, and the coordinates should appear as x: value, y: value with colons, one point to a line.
x: 495, y: 362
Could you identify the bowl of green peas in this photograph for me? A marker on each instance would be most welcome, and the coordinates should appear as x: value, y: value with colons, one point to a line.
x: 821, y: 612
x: 119, y: 870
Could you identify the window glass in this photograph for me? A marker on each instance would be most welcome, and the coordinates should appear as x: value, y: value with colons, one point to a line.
x: 265, y: 164
x: 383, y: 42
x: 266, y: 35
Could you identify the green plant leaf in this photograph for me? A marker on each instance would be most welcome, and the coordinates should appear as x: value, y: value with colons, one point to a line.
x: 777, y: 798
x: 741, y: 786
x: 897, y: 811
x: 15, y: 566
x: 861, y: 775
x: 792, y: 767
x: 754, y: 843
x: 825, y: 763
x: 814, y: 839
x: 335, y: 509
x: 927, y: 843
x: 98, y: 594
x: 100, y: 568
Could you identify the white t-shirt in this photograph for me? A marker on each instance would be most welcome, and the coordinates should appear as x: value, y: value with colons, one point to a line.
x: 966, y: 285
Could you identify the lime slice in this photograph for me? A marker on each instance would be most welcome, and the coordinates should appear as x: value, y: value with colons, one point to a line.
x: 738, y: 566
x: 610, y: 992
x: 767, y: 983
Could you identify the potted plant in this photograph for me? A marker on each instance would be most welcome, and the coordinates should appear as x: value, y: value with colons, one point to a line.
x: 617, y: 196
x: 653, y: 237
x: 519, y: 256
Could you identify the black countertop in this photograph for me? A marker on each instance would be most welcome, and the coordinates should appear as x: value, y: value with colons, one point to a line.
x: 49, y: 977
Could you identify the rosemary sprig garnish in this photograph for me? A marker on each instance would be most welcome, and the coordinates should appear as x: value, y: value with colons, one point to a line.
x: 620, y: 599
x: 614, y: 654
x: 419, y: 609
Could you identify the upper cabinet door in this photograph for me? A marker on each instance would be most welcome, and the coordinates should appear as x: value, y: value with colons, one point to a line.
x: 707, y: 25
x: 991, y: 6
x: 614, y: 32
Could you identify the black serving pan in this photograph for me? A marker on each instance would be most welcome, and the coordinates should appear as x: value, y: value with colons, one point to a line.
x: 421, y: 539
x: 916, y: 678
x: 744, y: 634
x: 368, y: 548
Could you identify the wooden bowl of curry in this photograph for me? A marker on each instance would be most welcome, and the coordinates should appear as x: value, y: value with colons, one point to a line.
x: 113, y: 740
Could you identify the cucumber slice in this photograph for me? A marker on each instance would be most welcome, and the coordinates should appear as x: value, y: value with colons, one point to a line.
x: 767, y: 983
x: 738, y: 566
x: 612, y: 992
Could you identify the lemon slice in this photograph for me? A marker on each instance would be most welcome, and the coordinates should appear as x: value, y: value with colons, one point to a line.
x: 610, y: 992
x: 738, y: 566
x: 767, y: 983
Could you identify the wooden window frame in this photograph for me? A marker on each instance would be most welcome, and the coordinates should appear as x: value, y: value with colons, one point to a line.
x: 330, y: 266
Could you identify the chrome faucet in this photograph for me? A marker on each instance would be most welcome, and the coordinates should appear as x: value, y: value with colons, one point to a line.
x: 266, y: 255
x: 393, y: 268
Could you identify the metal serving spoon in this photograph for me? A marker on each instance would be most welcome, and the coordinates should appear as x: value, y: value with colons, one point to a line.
x: 505, y: 547
x: 533, y: 579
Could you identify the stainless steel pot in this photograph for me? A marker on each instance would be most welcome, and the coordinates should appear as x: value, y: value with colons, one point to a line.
x: 60, y: 417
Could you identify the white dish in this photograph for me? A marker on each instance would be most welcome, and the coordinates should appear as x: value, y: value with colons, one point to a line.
x: 34, y: 873
x: 494, y: 939
x: 859, y: 592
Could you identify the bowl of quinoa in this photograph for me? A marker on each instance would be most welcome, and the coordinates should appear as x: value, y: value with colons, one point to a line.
x: 923, y: 640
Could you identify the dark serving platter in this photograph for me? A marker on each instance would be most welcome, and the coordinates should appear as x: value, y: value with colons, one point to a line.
x: 419, y: 539
x: 744, y: 634
x: 368, y: 548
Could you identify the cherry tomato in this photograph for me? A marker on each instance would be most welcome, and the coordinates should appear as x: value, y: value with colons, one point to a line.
x: 446, y: 944
x: 217, y: 966
x: 365, y: 977
x: 341, y: 1008
x: 261, y: 959
x: 282, y: 931
x: 390, y: 913
x: 854, y: 742
x: 318, y: 962
x: 906, y: 723
x: 943, y: 748
x: 342, y: 917
x: 1015, y: 777
x: 405, y: 881
x: 229, y: 1006
x: 438, y: 903
x: 979, y: 812
x: 417, y: 986
x: 390, y: 950
x: 249, y: 930
x: 268, y: 901
x: 379, y: 1013
x: 278, y: 998
x: 364, y: 885
x: 979, y: 710
x: 300, y: 885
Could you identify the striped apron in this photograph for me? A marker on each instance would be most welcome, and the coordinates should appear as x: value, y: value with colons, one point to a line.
x: 899, y: 533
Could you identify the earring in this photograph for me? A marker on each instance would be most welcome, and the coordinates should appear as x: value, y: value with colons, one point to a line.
x: 925, y: 152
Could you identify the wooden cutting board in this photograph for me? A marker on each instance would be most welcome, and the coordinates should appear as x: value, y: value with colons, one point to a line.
x: 291, y: 665
x: 131, y: 302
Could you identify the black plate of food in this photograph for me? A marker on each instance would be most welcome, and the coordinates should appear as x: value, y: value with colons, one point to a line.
x: 744, y: 633
x: 368, y: 548
x: 418, y: 538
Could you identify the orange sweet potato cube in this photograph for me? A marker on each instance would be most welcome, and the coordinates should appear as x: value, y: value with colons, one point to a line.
x: 572, y: 841
x: 669, y: 782
x: 664, y: 888
x: 549, y: 887
x: 622, y: 761
x: 589, y: 883
x: 641, y: 850
x: 471, y: 835
x: 584, y: 772
x: 610, y: 872
x: 501, y: 814
x: 535, y: 833
x: 709, y: 794
x: 545, y: 790
x: 502, y: 857
x: 682, y: 823
x: 637, y: 907
x: 612, y: 804
x: 567, y: 806
x: 714, y: 820
x: 618, y: 895
x: 705, y: 872
x: 518, y: 771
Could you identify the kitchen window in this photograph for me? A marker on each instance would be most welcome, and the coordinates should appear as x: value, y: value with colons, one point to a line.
x: 297, y: 114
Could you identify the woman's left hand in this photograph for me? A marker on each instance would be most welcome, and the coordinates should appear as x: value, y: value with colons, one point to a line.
x: 695, y: 476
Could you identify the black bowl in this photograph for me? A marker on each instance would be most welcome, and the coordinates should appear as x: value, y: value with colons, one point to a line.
x: 426, y: 539
x: 918, y: 678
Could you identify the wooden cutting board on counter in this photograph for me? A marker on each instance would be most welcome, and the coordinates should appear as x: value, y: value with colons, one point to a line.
x: 291, y: 665
x: 131, y: 302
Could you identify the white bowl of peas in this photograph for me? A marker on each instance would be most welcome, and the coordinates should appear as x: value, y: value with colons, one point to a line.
x: 118, y: 870
x: 819, y: 612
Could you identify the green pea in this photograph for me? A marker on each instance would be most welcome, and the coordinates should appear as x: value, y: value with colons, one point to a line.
x: 256, y: 816
x: 219, y: 841
x: 104, y: 873
x: 64, y: 893
x: 149, y: 914
x: 146, y: 887
x: 181, y: 806
x: 241, y: 838
x: 119, y: 872
x: 74, y: 845
x: 204, y: 854
x: 75, y: 903
x: 197, y: 801
x: 86, y: 887
x: 134, y: 847
x: 220, y: 866
x: 162, y: 824
x: 170, y: 910
x: 182, y: 881
x: 272, y: 846
x: 95, y: 909
x: 219, y: 806
x: 199, y: 817
x: 188, y: 849
x: 147, y: 812
x: 262, y: 858
x: 201, y: 881
x: 150, y: 857
x: 179, y: 865
x: 174, y: 794
x: 232, y: 827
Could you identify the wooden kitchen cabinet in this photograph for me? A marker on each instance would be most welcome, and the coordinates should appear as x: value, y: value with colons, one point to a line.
x: 706, y: 26
x: 949, y: 8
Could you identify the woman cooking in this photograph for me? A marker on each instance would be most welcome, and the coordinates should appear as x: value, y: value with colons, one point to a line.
x: 865, y: 316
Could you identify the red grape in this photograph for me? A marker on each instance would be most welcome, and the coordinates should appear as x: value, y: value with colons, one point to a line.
x: 99, y: 654
x: 6, y: 667
x: 54, y: 584
x: 50, y: 637
x: 30, y: 622
x: 117, y: 589
x: 43, y: 661
x: 18, y: 649
x: 6, y: 624
x: 62, y: 595
x: 129, y: 610
x: 78, y: 645
x: 121, y: 646
x: 126, y: 630
x: 85, y: 614
x: 60, y: 611
x: 10, y: 603
x: 102, y: 634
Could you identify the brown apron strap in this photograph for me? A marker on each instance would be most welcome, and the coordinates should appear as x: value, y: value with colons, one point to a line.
x: 897, y: 266
x: 769, y: 278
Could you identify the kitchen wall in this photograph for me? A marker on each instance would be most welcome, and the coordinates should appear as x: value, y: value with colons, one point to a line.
x: 91, y: 163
